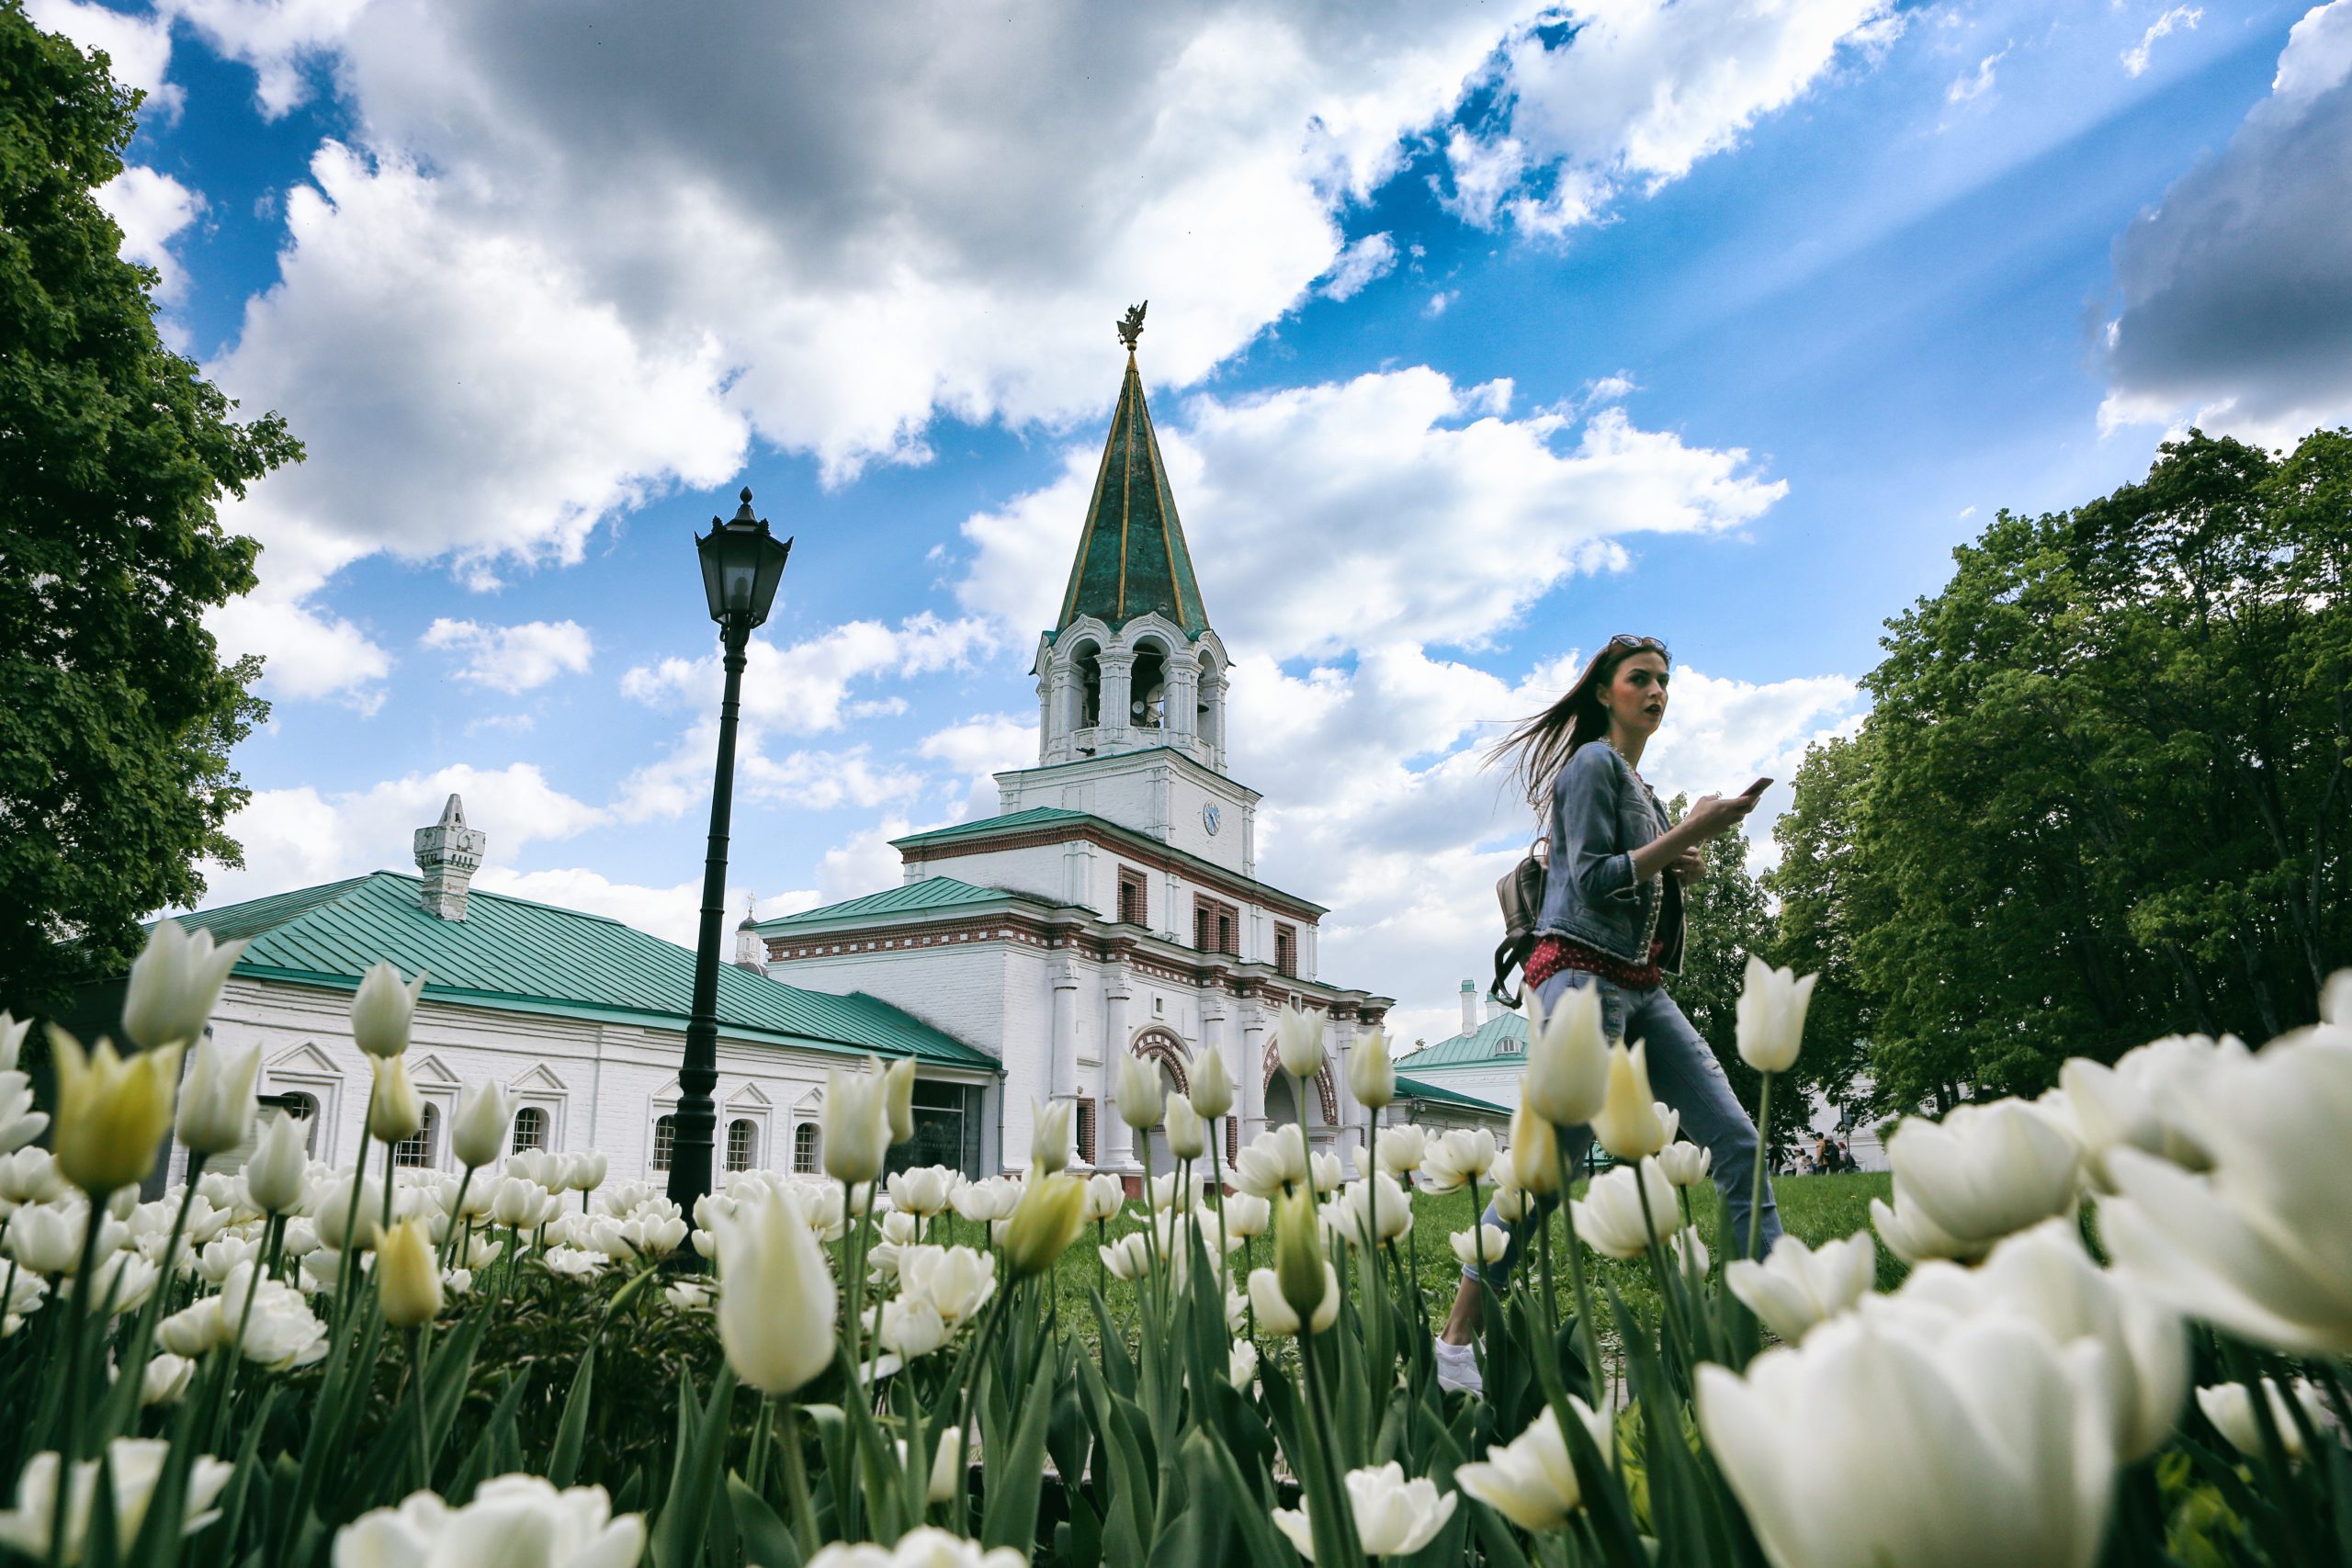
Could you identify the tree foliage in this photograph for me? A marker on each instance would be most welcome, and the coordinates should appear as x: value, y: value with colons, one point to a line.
x: 120, y: 715
x: 2105, y: 792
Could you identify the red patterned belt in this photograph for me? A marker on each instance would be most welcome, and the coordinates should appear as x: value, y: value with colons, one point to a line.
x: 1553, y: 954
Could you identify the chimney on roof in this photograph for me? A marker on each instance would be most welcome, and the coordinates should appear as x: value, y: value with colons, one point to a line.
x: 448, y: 853
x: 1494, y: 1010
x: 1469, y: 1006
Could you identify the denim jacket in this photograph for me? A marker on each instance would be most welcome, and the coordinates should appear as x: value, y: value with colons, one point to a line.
x: 1600, y: 813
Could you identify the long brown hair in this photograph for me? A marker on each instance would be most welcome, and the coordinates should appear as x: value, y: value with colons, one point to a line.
x: 1538, y: 747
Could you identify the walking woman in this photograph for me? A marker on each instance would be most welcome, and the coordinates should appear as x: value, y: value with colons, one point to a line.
x: 1612, y: 919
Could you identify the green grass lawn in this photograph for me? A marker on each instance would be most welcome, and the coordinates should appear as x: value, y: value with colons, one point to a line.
x: 1814, y: 1209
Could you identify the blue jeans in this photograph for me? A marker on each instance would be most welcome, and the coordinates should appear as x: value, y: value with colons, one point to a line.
x: 1686, y: 1075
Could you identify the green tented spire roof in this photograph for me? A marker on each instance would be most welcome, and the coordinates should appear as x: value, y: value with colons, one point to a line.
x: 1131, y: 555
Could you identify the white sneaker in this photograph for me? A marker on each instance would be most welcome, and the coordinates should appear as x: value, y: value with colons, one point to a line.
x: 1457, y: 1368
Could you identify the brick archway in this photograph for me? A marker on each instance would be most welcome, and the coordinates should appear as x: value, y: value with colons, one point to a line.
x: 1156, y: 1044
x: 1326, y: 1090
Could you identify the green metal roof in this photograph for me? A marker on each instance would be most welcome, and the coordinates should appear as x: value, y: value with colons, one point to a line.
x: 1132, y: 557
x: 1414, y: 1089
x: 1481, y: 1047
x: 931, y: 893
x: 1036, y: 815
x: 517, y: 956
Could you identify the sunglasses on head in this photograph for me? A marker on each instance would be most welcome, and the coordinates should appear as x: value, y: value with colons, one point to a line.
x: 1627, y: 639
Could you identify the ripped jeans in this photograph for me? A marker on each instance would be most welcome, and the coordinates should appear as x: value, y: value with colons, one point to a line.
x: 1686, y: 1075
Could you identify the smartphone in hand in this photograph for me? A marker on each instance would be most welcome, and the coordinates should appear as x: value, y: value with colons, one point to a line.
x: 1758, y: 787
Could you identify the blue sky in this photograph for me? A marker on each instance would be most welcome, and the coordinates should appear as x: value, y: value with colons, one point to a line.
x: 1475, y: 338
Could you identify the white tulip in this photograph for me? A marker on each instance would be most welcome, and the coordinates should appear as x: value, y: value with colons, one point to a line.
x: 134, y: 1466
x: 30, y: 1176
x: 175, y: 983
x: 1298, y: 1041
x: 1270, y: 1162
x: 1049, y: 1140
x: 957, y: 1281
x: 1532, y: 1481
x: 1797, y: 1288
x: 1241, y: 1364
x: 1481, y: 1247
x: 1985, y: 1171
x: 1687, y: 1254
x: 46, y: 1238
x: 13, y: 1031
x: 512, y: 1519
x: 1457, y: 1158
x: 2257, y: 1246
x: 1166, y: 1193
x: 1274, y: 1314
x: 1212, y: 1086
x: 336, y: 1210
x: 383, y: 1011
x: 20, y: 1122
x: 1247, y: 1215
x: 1915, y: 1238
x: 910, y: 1329
x: 1686, y: 1165
x: 922, y: 1192
x: 277, y: 1177
x: 1188, y: 1137
x: 2124, y: 1106
x: 2005, y: 1453
x: 926, y: 1546
x: 2230, y: 1407
x: 1372, y: 1075
x: 394, y: 1112
x: 1770, y: 1016
x: 122, y: 1283
x: 217, y: 1097
x: 1394, y: 1516
x: 479, y: 1127
x: 585, y: 1171
x: 1400, y: 1150
x: 1129, y: 1257
x: 986, y: 1200
x: 1375, y: 1207
x: 1609, y: 1217
x: 1627, y: 1124
x: 775, y: 1312
x: 166, y: 1380
x: 1568, y: 1058
x: 1135, y: 1091
x: 546, y: 1167
x: 1105, y: 1196
x: 855, y: 1123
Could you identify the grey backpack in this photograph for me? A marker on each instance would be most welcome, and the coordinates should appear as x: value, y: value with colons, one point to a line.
x: 1522, y: 896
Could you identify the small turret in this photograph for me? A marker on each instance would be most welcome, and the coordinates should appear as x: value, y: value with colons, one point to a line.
x: 448, y: 853
x: 751, y: 953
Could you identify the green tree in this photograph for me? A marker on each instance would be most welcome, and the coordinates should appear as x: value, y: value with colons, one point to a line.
x: 2102, y: 794
x: 1823, y: 891
x: 120, y: 715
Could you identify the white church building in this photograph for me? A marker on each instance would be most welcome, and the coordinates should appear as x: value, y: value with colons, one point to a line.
x: 1112, y: 906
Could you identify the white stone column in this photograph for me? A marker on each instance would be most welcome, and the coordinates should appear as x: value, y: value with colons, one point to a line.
x: 1115, y: 990
x: 1048, y: 732
x: 1252, y: 1075
x: 1179, y: 717
x: 1213, y: 1021
x: 1118, y: 677
x: 1062, y: 1077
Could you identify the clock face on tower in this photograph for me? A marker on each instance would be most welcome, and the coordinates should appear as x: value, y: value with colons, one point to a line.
x: 1211, y: 816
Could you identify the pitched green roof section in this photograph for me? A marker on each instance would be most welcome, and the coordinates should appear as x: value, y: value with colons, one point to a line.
x: 1132, y: 559
x: 931, y: 893
x: 1499, y: 1042
x: 1414, y: 1089
x: 1035, y: 816
x: 513, y: 954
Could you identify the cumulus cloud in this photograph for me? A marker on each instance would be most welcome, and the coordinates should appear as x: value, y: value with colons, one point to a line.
x: 978, y: 748
x: 151, y: 210
x: 673, y: 914
x: 1392, y: 508
x: 1612, y: 95
x: 2235, y: 294
x: 805, y: 689
x: 1362, y: 264
x: 2185, y: 18
x: 513, y: 658
x: 283, y: 41
x: 138, y: 49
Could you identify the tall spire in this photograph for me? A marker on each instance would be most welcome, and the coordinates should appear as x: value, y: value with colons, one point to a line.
x: 1132, y: 560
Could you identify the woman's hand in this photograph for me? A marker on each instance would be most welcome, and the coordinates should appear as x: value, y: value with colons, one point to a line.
x: 1689, y: 866
x: 1712, y: 816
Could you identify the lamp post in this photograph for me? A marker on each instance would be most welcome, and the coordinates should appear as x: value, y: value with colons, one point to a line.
x: 741, y: 564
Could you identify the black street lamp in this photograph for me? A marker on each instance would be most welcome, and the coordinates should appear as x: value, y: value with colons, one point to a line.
x: 741, y: 564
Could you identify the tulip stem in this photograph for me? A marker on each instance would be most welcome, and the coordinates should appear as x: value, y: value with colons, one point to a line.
x: 796, y: 1483
x: 1595, y: 1372
x: 457, y: 1213
x: 1319, y: 1455
x: 424, y: 1439
x: 1755, y: 1182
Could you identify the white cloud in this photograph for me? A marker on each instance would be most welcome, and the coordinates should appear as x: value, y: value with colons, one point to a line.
x: 1386, y: 509
x: 307, y: 652
x: 1969, y: 86
x: 805, y: 689
x: 2135, y: 58
x: 981, y: 748
x: 867, y: 863
x: 151, y: 210
x: 2235, y: 294
x: 513, y: 658
x: 673, y: 914
x: 283, y: 41
x: 1616, y: 95
x: 1438, y: 302
x: 138, y: 49
x: 1360, y: 266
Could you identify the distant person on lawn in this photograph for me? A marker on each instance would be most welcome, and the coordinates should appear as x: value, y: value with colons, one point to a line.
x: 1612, y: 919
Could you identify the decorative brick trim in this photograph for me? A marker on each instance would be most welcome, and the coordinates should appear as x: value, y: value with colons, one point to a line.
x: 1325, y: 1090
x: 1128, y: 849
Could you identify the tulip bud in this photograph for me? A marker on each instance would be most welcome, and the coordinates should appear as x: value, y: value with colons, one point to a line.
x: 1049, y: 1141
x: 777, y: 1300
x: 1627, y: 1124
x: 1371, y: 1077
x: 1770, y: 1019
x: 280, y: 1167
x: 408, y: 1275
x: 1298, y: 1253
x: 393, y: 1111
x: 381, y: 1012
x: 478, y: 1129
x: 1187, y: 1136
x: 175, y: 983
x: 1247, y: 1216
x: 1105, y: 1196
x: 1274, y: 1314
x: 900, y: 1098
x: 1534, y: 1151
x: 1686, y: 1165
x: 584, y: 1172
x: 1136, y: 1092
x: 112, y: 1112
x: 1212, y: 1085
x: 12, y: 1039
x: 1043, y: 1223
x: 1298, y: 1041
x: 1568, y: 1058
x: 855, y: 1123
x: 366, y: 1221
x: 216, y: 1101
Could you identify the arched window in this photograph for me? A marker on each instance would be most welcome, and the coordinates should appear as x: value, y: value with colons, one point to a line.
x: 1148, y: 688
x: 416, y: 1149
x: 665, y: 1138
x: 804, y: 1148
x: 743, y: 1144
x: 304, y: 1108
x: 1087, y: 662
x: 530, y: 1129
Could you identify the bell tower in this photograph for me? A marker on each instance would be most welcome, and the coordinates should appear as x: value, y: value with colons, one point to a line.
x: 1131, y: 664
